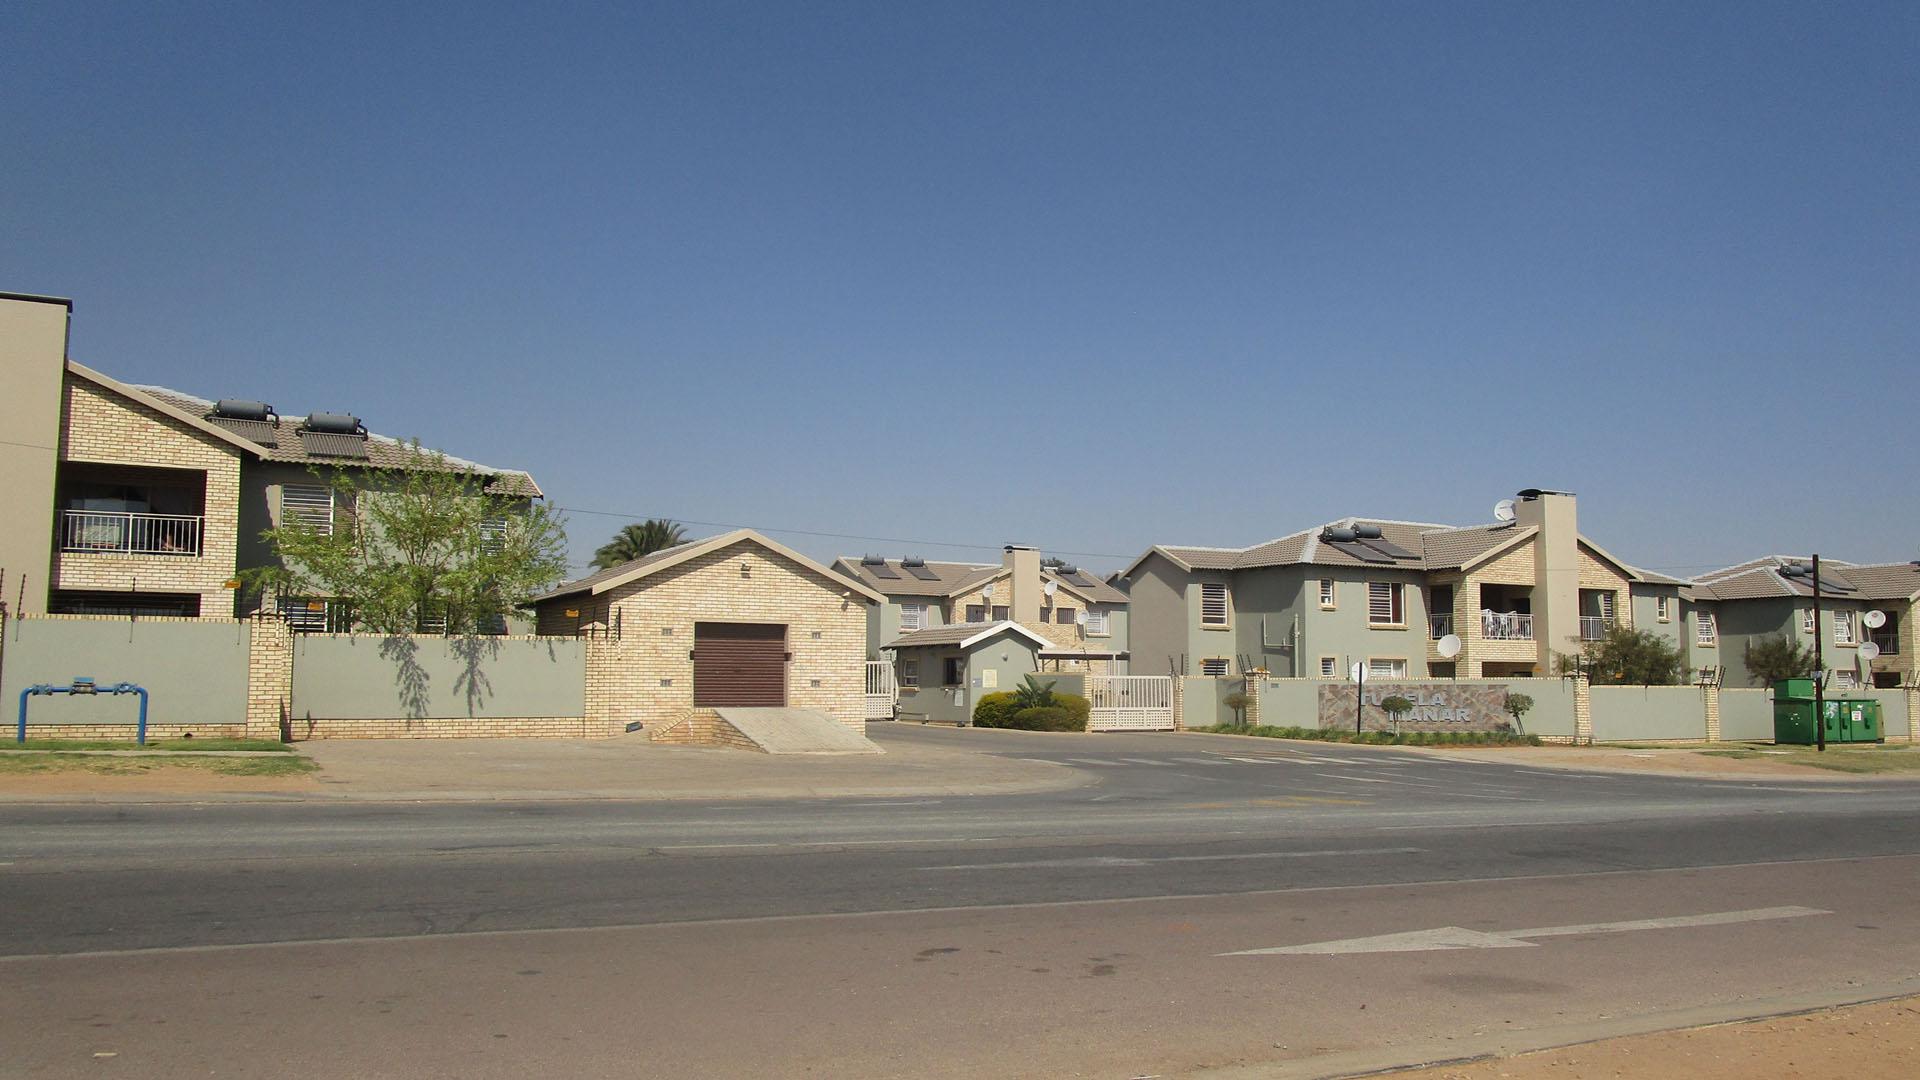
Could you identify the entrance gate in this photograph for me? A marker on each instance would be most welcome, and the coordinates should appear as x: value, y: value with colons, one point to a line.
x: 882, y: 694
x: 1130, y: 702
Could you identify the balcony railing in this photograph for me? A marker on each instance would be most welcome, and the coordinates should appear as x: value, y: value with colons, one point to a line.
x: 1506, y: 626
x: 129, y: 534
x: 1889, y: 642
x: 1594, y: 627
x: 1439, y: 626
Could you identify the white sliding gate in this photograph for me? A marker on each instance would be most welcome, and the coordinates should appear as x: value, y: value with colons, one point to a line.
x: 1130, y: 702
x: 882, y: 694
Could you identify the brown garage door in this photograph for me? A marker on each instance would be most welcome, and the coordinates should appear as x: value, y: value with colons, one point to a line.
x: 739, y: 664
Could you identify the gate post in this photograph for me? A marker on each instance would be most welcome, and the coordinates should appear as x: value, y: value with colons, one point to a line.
x: 1712, y: 692
x: 1582, y: 710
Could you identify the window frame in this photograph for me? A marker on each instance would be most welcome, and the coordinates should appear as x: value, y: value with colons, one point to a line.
x: 1097, y: 625
x: 953, y: 671
x: 1843, y: 619
x: 919, y: 611
x: 910, y: 673
x: 976, y: 614
x: 1396, y: 597
x: 1329, y: 667
x: 307, y: 508
x: 1662, y: 609
x: 1223, y: 662
x: 1706, y: 630
x: 1405, y: 667
x: 1225, y: 619
x: 1329, y: 594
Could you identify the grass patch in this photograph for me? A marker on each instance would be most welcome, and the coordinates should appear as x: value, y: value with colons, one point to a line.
x: 56, y: 762
x: 203, y: 745
x: 1378, y: 738
x: 1846, y: 759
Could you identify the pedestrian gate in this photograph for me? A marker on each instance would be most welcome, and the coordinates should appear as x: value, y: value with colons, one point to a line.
x: 1130, y: 702
x: 882, y: 694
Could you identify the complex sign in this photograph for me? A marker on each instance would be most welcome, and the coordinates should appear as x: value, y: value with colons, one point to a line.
x: 1438, y: 706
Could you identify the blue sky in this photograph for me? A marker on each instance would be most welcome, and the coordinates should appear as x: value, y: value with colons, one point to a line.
x: 1087, y: 276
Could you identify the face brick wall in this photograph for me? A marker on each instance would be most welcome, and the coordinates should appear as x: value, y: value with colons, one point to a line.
x: 103, y: 427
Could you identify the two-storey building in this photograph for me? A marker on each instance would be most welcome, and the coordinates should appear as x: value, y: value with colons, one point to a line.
x: 1739, y: 606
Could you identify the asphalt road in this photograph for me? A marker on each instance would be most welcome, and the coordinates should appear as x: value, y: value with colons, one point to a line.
x: 1082, y: 932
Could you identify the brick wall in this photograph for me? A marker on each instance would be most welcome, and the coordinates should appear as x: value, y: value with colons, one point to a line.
x: 103, y: 427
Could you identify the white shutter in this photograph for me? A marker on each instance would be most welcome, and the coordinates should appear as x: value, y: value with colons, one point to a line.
x: 1213, y: 604
x: 309, y: 503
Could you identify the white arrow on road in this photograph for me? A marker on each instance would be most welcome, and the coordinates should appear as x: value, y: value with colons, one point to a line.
x: 1459, y: 937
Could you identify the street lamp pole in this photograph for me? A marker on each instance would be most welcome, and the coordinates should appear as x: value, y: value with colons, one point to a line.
x: 1819, y: 668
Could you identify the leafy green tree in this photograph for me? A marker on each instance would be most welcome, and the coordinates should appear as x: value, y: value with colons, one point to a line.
x: 1628, y: 657
x: 1517, y: 706
x: 424, y: 547
x: 1779, y: 657
x: 1396, y: 707
x: 637, y: 541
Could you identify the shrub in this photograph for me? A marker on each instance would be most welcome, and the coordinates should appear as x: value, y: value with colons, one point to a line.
x: 1047, y: 718
x: 1079, y: 709
x: 1033, y: 694
x: 994, y: 710
x: 1238, y: 703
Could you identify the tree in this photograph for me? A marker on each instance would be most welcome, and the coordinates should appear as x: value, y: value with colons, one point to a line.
x: 1779, y: 657
x: 639, y: 540
x: 424, y: 547
x: 1625, y: 656
x: 1237, y: 701
x: 1517, y: 706
x: 1396, y: 707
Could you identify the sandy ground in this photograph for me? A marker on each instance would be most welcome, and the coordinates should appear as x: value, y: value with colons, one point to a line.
x: 1675, y: 760
x: 174, y: 780
x: 1863, y: 1042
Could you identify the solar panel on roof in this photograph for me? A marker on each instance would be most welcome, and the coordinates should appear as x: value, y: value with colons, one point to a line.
x: 1360, y: 551
x: 882, y: 570
x: 920, y: 571
x: 1389, y: 549
x: 1077, y: 578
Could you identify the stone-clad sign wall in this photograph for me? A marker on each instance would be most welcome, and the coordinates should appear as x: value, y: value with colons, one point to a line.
x: 1437, y: 706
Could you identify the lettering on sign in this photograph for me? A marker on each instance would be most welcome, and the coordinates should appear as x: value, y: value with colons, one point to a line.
x: 1444, y: 706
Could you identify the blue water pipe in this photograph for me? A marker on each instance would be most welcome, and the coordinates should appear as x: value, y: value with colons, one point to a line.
x: 85, y: 687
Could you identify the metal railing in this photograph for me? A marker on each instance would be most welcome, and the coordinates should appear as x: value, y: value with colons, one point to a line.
x: 1594, y: 627
x: 1889, y: 642
x: 130, y: 534
x: 1506, y: 626
x: 1439, y: 626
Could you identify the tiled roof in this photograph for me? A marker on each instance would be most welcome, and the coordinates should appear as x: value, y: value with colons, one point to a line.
x: 586, y: 584
x: 383, y: 452
x: 960, y: 633
x: 947, y: 577
x: 1450, y: 549
x: 667, y: 558
x: 1885, y: 581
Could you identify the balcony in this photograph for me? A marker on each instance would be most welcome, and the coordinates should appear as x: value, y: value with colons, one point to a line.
x: 1506, y: 626
x: 1439, y: 626
x: 1887, y: 638
x: 1594, y: 627
x: 113, y: 532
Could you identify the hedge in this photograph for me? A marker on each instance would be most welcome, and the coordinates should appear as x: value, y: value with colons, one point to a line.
x: 1381, y: 738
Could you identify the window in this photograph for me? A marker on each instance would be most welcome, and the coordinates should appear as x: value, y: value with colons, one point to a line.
x: 1660, y: 609
x: 1606, y: 607
x: 1214, y: 666
x: 1096, y: 623
x: 909, y: 673
x: 1382, y: 668
x: 952, y: 671
x: 1843, y: 628
x: 1706, y: 633
x: 310, y: 504
x: 1384, y: 604
x: 1806, y: 620
x: 1213, y: 603
x: 1844, y: 680
x: 1063, y: 616
x: 1326, y: 592
x: 976, y: 613
x: 493, y: 535
x: 1329, y: 667
x: 999, y: 613
x: 305, y: 615
x: 913, y: 617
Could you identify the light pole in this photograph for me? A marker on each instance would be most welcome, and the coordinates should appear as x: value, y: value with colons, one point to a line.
x: 1802, y: 570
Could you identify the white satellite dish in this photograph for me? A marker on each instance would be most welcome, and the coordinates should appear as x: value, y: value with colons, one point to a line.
x: 1503, y: 510
x: 1874, y: 619
x: 1869, y: 651
x: 1449, y: 646
x: 1080, y: 617
x: 988, y: 592
x: 1050, y: 588
x: 1359, y: 672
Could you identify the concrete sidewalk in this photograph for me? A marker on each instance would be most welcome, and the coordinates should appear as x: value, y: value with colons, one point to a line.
x: 634, y: 768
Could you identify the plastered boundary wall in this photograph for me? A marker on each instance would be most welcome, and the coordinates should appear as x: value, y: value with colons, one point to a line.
x: 1746, y: 714
x: 1654, y: 713
x: 194, y: 672
x: 369, y: 686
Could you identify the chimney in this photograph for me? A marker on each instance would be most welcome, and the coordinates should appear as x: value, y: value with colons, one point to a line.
x: 33, y: 370
x: 1556, y: 570
x: 1023, y: 584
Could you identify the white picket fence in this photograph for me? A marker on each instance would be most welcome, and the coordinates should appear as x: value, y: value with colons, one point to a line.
x: 1130, y: 702
x: 882, y: 693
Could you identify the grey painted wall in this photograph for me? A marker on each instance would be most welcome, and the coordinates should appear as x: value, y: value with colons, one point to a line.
x: 1157, y: 631
x: 994, y: 665
x: 1624, y: 713
x: 1746, y: 715
x: 1345, y: 633
x: 194, y: 672
x: 1646, y: 614
x: 368, y: 677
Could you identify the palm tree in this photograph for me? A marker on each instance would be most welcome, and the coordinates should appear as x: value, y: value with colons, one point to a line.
x: 634, y: 541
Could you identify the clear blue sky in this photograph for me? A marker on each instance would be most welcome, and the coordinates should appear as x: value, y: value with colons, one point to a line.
x: 1092, y: 277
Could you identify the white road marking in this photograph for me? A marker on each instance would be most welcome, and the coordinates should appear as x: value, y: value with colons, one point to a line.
x: 1144, y: 761
x: 1123, y: 860
x: 1359, y: 779
x: 1459, y: 937
x: 1089, y: 761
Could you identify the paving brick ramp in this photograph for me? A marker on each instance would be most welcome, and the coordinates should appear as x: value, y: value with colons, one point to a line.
x: 797, y: 731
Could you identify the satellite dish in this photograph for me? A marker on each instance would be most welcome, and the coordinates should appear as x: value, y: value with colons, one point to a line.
x: 1050, y: 588
x: 1869, y: 651
x: 1874, y: 619
x: 1080, y: 617
x: 1359, y: 672
x: 1503, y: 510
x: 988, y: 592
x: 1449, y: 646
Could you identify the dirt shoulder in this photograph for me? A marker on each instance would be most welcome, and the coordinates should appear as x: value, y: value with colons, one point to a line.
x: 1716, y: 760
x: 1879, y: 1041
